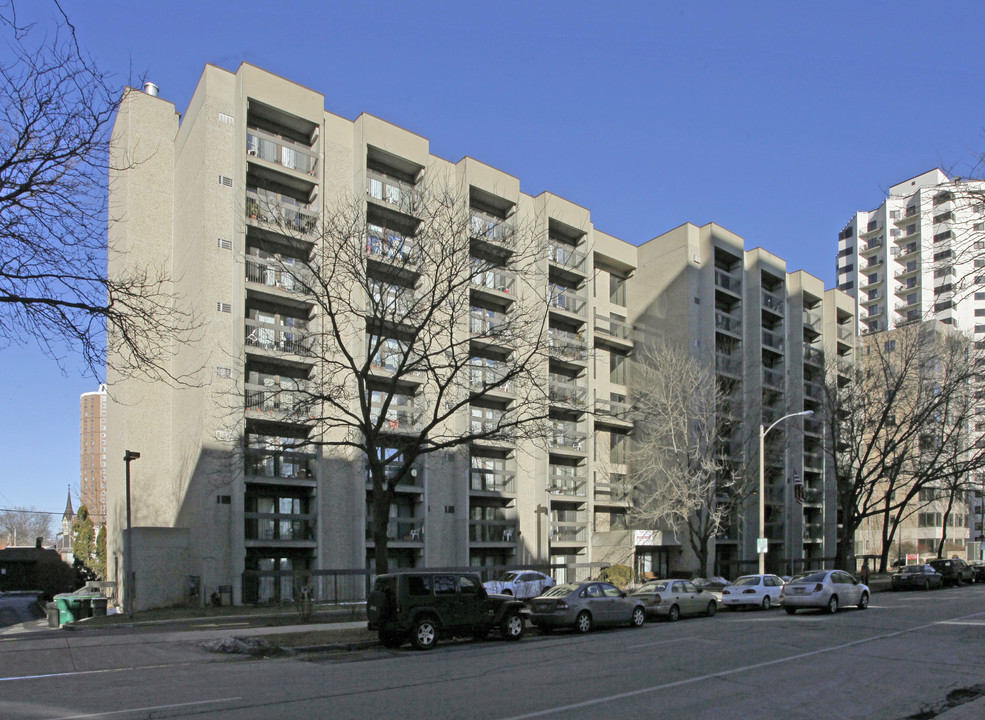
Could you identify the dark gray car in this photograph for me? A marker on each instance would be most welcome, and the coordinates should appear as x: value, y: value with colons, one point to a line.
x: 585, y: 605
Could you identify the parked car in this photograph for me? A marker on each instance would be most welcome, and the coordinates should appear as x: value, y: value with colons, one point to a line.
x: 954, y: 570
x: 522, y: 584
x: 825, y: 589
x: 674, y: 597
x: 584, y: 605
x: 979, y: 568
x: 918, y: 577
x: 761, y: 591
x: 422, y: 606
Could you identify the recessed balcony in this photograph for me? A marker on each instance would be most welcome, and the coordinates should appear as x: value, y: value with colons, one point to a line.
x: 280, y: 213
x: 390, y: 193
x: 282, y: 153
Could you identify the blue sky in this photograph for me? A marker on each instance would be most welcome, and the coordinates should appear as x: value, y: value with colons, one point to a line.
x: 776, y: 120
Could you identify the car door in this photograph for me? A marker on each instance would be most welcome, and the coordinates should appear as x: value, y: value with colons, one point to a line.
x: 596, y: 603
x: 446, y: 600
x: 527, y: 586
x: 772, y: 586
x: 695, y: 599
x: 847, y: 588
x: 472, y: 610
x: 617, y: 607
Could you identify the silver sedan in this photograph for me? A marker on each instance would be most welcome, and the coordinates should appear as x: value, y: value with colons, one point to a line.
x: 674, y: 597
x: 585, y: 605
x: 825, y: 589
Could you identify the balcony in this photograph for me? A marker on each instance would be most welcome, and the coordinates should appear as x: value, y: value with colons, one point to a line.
x: 281, y: 213
x: 484, y: 322
x: 613, y: 329
x: 845, y: 332
x: 773, y: 340
x: 565, y: 532
x: 564, y: 256
x: 773, y: 378
x: 567, y: 392
x: 562, y: 298
x: 279, y: 338
x: 502, y: 482
x: 773, y: 302
x: 813, y: 319
x: 493, y: 531
x: 489, y: 378
x: 279, y: 402
x: 279, y: 528
x: 277, y: 466
x: 813, y: 532
x: 813, y: 390
x: 489, y: 228
x: 566, y: 345
x: 728, y: 364
x: 618, y: 492
x: 813, y: 355
x: 562, y: 481
x: 273, y: 275
x: 568, y: 436
x: 498, y: 282
x: 390, y: 193
x: 617, y: 411
x: 408, y: 530
x: 728, y: 323
x: 389, y: 246
x: 402, y: 419
x: 814, y: 460
x: 728, y: 281
x: 278, y: 151
x: 813, y: 426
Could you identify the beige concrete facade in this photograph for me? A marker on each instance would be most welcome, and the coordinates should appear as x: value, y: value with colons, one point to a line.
x: 188, y: 202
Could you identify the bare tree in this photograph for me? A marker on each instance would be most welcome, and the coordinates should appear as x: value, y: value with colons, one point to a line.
x: 681, y: 478
x: 427, y: 334
x: 54, y: 288
x: 22, y: 526
x: 901, y: 424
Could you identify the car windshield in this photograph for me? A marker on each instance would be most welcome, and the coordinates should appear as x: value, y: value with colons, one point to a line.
x: 750, y: 580
x: 559, y: 590
x: 809, y: 577
x: 653, y: 587
x: 507, y: 577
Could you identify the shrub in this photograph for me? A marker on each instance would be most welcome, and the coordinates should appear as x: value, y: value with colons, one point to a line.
x: 618, y: 575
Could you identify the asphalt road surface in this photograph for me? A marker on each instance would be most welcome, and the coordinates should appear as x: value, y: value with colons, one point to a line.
x: 910, y: 655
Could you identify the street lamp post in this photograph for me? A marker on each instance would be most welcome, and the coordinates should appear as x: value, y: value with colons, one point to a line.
x: 128, y: 457
x: 763, y: 432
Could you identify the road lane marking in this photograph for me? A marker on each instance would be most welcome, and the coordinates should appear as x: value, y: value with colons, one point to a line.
x: 663, y: 642
x: 150, y: 708
x: 735, y: 671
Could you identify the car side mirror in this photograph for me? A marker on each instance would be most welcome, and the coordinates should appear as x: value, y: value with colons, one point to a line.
x: 622, y: 593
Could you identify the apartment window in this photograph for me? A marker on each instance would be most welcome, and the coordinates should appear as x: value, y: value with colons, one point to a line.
x: 979, y: 312
x: 617, y: 290
x: 941, y: 306
x: 846, y: 286
x: 980, y: 296
x: 890, y: 346
x: 946, y: 235
x: 941, y: 198
x: 943, y: 255
x: 979, y: 329
x: 978, y: 226
x: 944, y: 217
x: 943, y: 272
x: 911, y: 229
x: 894, y: 232
x: 979, y: 263
x: 873, y: 279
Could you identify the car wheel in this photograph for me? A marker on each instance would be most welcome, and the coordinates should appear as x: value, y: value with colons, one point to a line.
x: 926, y: 584
x: 674, y: 614
x: 863, y: 601
x: 832, y: 605
x: 790, y: 611
x: 583, y: 623
x: 712, y: 609
x: 512, y: 627
x: 390, y: 640
x: 767, y: 602
x: 507, y: 591
x: 425, y: 634
x: 639, y: 616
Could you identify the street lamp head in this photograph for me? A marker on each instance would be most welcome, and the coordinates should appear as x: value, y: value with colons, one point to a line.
x: 130, y: 455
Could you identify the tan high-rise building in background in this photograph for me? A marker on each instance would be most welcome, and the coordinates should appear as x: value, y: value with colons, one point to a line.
x: 220, y: 497
x: 92, y: 454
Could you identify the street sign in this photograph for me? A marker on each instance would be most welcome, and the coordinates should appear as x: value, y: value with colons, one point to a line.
x: 762, y: 545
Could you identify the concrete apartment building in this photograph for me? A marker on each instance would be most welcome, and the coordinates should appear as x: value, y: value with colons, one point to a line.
x: 92, y: 453
x: 216, y: 496
x: 918, y: 256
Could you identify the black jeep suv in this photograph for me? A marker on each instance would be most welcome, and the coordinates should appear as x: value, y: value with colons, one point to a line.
x: 418, y: 606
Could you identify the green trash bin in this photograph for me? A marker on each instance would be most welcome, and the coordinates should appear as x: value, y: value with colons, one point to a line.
x: 67, y: 608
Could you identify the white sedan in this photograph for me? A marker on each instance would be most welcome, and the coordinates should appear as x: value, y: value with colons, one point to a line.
x: 521, y: 584
x: 762, y: 591
x: 825, y: 589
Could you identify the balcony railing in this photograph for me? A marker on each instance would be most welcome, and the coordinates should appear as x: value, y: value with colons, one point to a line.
x: 773, y: 340
x: 493, y: 531
x: 272, y: 275
x: 565, y: 484
x: 567, y: 345
x: 814, y: 460
x: 812, y: 319
x: 568, y: 392
x: 279, y: 338
x: 613, y: 492
x: 390, y: 191
x: 813, y: 390
x: 567, y: 300
x: 613, y: 327
x: 393, y: 247
x: 774, y: 378
x: 845, y: 331
x: 490, y: 228
x: 773, y: 302
x: 273, y: 149
x: 396, y: 419
x: 485, y: 322
x: 567, y: 257
x: 502, y: 481
x: 813, y: 355
x: 405, y: 529
x: 273, y: 401
x: 729, y: 282
x: 282, y: 211
x: 279, y: 464
x: 568, y: 532
x: 499, y: 280
x: 728, y: 323
x: 728, y: 364
x: 486, y: 377
x: 615, y: 409
x: 279, y: 527
x: 568, y: 436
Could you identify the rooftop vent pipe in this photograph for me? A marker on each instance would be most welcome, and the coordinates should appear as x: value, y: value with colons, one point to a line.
x: 150, y: 88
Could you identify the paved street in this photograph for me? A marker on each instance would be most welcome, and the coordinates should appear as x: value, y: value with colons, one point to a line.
x: 903, y: 656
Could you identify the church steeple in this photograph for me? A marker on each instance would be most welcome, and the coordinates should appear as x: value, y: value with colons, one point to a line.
x: 69, y: 517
